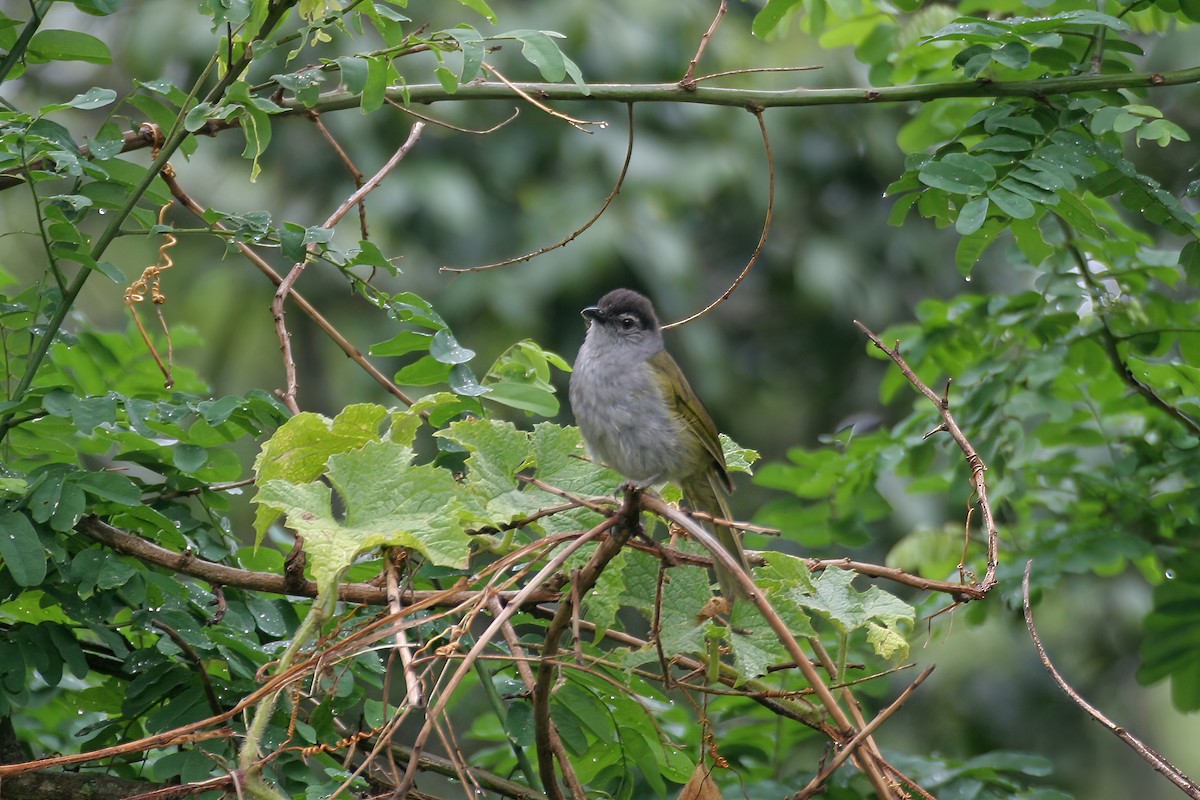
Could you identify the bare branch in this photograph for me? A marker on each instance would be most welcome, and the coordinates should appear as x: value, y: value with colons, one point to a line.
x: 577, y: 124
x: 573, y: 236
x: 309, y: 310
x: 1148, y: 754
x: 284, y: 287
x: 815, y: 786
x: 845, y: 730
x: 974, y: 462
x: 762, y: 239
x: 686, y: 81
x: 484, y: 640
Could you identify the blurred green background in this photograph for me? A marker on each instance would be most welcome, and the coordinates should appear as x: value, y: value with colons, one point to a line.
x: 780, y: 365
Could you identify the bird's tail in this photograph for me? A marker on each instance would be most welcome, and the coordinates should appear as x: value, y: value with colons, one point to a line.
x: 706, y: 493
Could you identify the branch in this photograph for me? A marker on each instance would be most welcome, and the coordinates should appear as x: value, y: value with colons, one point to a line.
x: 352, y: 352
x: 816, y: 785
x: 570, y: 237
x: 754, y: 98
x: 626, y: 524
x: 425, y: 93
x: 526, y: 594
x: 766, y: 229
x: 1108, y: 340
x: 1148, y: 754
x: 844, y: 728
x: 978, y: 468
x: 284, y: 287
x: 188, y: 564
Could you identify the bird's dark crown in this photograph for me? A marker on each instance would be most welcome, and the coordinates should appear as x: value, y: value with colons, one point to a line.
x: 620, y: 302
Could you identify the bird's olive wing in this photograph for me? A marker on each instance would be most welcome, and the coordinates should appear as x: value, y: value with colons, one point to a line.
x: 683, y: 400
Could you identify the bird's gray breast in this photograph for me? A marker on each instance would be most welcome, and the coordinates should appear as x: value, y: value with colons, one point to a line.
x: 624, y: 416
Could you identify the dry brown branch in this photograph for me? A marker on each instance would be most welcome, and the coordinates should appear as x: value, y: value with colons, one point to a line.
x: 195, y: 567
x: 577, y: 124
x: 844, y: 728
x: 752, y: 71
x: 484, y: 640
x: 1144, y: 751
x: 575, y: 234
x: 530, y: 682
x: 354, y: 171
x: 686, y: 81
x: 816, y: 785
x: 443, y: 124
x: 309, y: 310
x: 403, y: 650
x: 626, y: 524
x: 284, y: 288
x: 762, y: 239
x: 961, y: 593
x: 974, y: 462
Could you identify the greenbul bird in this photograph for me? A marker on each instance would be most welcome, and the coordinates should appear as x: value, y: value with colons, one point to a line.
x: 639, y: 416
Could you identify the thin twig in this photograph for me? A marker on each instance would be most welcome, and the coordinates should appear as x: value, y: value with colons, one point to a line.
x: 443, y: 124
x: 974, y: 462
x: 187, y: 563
x: 573, y: 236
x: 815, y: 785
x: 1109, y: 342
x: 762, y: 239
x: 686, y: 81
x: 528, y: 680
x: 214, y: 704
x: 485, y: 639
x: 626, y: 524
x: 1147, y: 753
x: 751, y: 71
x: 578, y: 124
x: 309, y: 310
x: 845, y: 730
x: 285, y: 286
x: 354, y: 171
x: 412, y: 683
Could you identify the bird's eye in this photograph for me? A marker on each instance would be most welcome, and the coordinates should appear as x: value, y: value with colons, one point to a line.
x: 627, y: 322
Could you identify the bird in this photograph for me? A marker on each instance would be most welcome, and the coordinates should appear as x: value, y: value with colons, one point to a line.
x: 639, y: 415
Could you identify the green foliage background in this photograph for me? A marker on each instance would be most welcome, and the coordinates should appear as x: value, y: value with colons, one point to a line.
x: 1038, y: 250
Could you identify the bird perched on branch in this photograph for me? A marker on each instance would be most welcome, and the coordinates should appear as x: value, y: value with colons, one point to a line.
x: 639, y: 415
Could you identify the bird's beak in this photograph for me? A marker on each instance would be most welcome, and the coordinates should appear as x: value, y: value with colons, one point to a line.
x: 591, y: 314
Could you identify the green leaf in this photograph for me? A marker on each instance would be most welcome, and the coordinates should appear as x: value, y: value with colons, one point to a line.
x: 22, y: 551
x: 447, y: 79
x: 958, y: 173
x: 1005, y: 143
x: 111, y: 486
x: 93, y: 98
x: 971, y: 247
x: 354, y: 71
x: 772, y: 14
x: 63, y: 45
x: 972, y: 215
x: 471, y: 43
x: 1014, y: 55
x: 523, y: 396
x: 1012, y: 204
x: 480, y: 7
x: 387, y: 502
x: 498, y: 451
x: 374, y: 91
x: 300, y: 449
x: 541, y: 51
x: 446, y: 349
x: 402, y: 343
x: 425, y: 371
